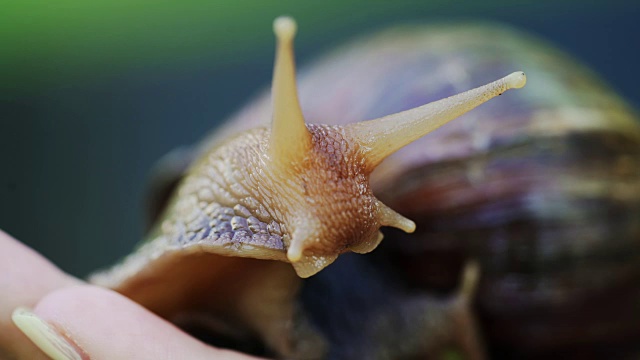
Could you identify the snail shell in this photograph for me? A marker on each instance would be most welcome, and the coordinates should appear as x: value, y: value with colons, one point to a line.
x: 504, y: 182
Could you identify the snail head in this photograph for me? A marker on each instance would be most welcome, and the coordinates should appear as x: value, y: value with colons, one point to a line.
x: 323, y: 171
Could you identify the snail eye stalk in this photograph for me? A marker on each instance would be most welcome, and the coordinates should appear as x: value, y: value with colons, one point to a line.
x: 383, y: 136
x: 289, y: 135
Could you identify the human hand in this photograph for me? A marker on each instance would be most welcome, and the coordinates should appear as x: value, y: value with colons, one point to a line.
x: 69, y: 319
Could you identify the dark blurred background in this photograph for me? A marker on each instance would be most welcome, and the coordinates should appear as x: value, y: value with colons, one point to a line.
x: 93, y: 93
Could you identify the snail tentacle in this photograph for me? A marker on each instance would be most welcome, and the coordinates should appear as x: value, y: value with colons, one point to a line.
x: 389, y: 217
x: 289, y: 135
x: 382, y: 137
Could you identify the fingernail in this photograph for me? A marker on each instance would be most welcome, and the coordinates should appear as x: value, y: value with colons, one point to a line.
x: 44, y: 336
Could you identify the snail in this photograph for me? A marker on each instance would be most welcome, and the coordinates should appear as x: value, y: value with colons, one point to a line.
x: 246, y: 245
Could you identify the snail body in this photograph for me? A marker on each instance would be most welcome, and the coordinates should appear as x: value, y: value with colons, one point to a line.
x: 257, y: 211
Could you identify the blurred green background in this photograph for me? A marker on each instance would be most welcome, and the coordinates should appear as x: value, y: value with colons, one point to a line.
x: 92, y: 93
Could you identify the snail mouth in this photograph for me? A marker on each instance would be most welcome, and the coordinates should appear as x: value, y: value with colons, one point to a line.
x: 304, y: 257
x: 309, y: 265
x: 307, y: 258
x: 369, y: 245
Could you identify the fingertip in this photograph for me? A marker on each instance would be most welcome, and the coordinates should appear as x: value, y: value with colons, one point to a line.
x: 25, y: 277
x: 46, y: 337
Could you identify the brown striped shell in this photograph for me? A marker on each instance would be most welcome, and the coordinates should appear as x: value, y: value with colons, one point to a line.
x: 541, y: 188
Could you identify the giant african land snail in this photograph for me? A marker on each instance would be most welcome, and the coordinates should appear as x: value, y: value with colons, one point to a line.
x: 300, y: 193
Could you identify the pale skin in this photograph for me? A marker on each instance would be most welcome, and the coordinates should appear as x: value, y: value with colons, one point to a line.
x: 102, y: 323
